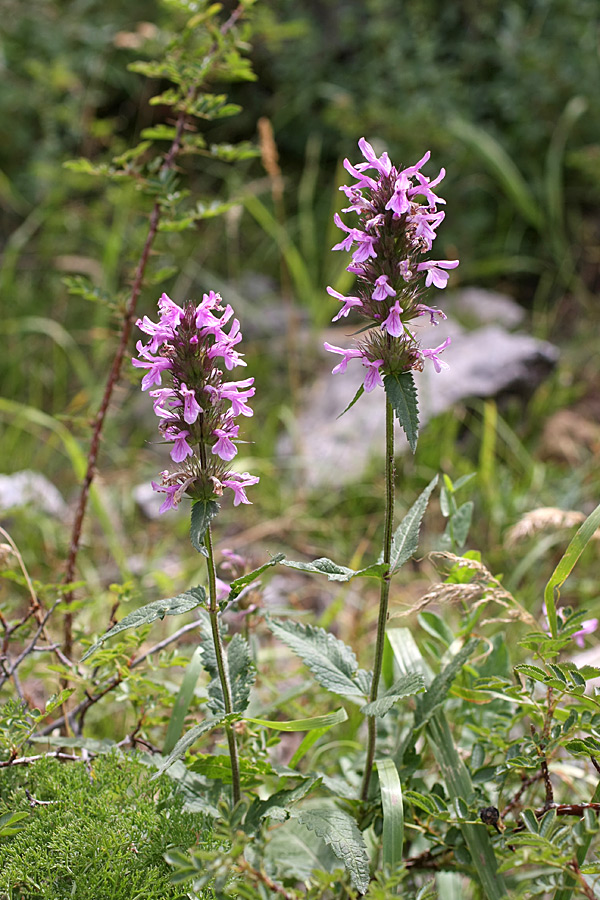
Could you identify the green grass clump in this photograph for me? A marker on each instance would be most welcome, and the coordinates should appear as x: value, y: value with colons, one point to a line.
x: 102, y: 835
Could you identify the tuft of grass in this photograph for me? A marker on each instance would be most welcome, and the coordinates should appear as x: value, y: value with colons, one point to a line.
x: 96, y: 829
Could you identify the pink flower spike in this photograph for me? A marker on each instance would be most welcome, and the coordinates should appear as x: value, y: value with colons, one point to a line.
x: 393, y: 323
x: 352, y: 353
x: 412, y: 170
x: 348, y: 302
x: 383, y: 289
x: 373, y: 376
x: 238, y: 483
x: 191, y: 407
x: 435, y: 275
x: 433, y: 355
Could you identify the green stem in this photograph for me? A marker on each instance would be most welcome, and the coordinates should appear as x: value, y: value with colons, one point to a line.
x: 213, y: 612
x: 385, y: 593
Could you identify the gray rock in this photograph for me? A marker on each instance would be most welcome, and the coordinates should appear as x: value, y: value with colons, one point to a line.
x: 486, y: 362
x: 29, y: 488
x: 482, y: 307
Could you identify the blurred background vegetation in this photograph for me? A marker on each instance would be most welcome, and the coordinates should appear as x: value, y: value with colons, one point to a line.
x: 504, y: 94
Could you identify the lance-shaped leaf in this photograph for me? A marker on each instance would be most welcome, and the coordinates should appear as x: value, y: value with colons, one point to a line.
x: 326, y: 721
x: 240, y: 668
x: 324, y: 566
x: 237, y: 586
x: 145, y: 615
x: 405, y: 686
x: 184, y: 698
x: 356, y: 397
x: 203, y: 511
x: 340, y: 832
x: 406, y: 538
x: 333, y: 664
x: 188, y: 739
x: 401, y: 392
x: 439, y: 687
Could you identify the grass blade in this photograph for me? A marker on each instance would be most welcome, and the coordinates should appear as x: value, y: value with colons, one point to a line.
x: 566, y: 566
x: 393, y: 814
x: 182, y: 703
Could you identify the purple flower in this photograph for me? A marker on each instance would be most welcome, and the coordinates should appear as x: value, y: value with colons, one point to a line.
x: 352, y: 353
x: 238, y: 484
x: 393, y: 323
x: 433, y: 355
x: 348, y: 302
x: 191, y: 407
x: 434, y: 271
x: 373, y: 376
x: 383, y: 288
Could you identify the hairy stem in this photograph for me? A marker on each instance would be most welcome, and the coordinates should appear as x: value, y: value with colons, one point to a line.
x: 385, y: 593
x: 213, y: 612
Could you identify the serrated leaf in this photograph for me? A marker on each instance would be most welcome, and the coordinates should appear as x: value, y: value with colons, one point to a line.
x: 145, y: 615
x: 333, y: 571
x: 405, y: 686
x: 242, y: 672
x: 237, y: 586
x: 340, y: 832
x: 402, y: 394
x: 187, y: 741
x: 406, y: 538
x: 240, y: 667
x: 333, y: 664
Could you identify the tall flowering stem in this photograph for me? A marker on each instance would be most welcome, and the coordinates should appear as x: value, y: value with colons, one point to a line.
x: 397, y: 220
x: 190, y: 346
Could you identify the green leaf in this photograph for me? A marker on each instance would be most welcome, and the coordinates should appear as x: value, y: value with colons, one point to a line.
x: 460, y: 523
x: 184, y: 698
x: 217, y: 767
x: 160, y: 132
x: 530, y: 821
x: 145, y: 615
x: 241, y: 669
x: 340, y: 832
x: 566, y: 566
x: 333, y: 664
x: 237, y: 586
x: 405, y: 686
x: 356, y: 397
x: 435, y: 626
x: 406, y: 538
x: 188, y: 740
x: 203, y: 511
x: 402, y: 394
x: 393, y: 814
x: 324, y: 566
x: 326, y: 721
x: 9, y: 823
x: 422, y: 802
x: 277, y: 806
x: 438, y: 689
x: 242, y: 672
x: 533, y: 672
x: 57, y: 700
